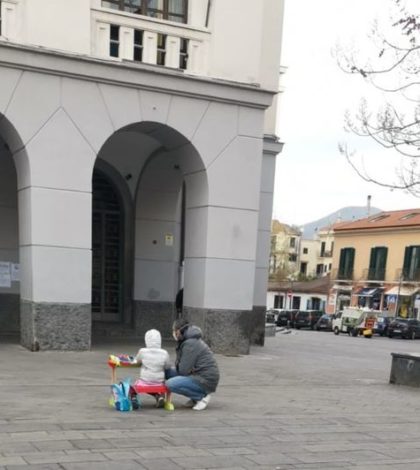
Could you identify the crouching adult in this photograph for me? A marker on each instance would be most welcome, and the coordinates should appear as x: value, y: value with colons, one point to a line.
x: 196, y: 374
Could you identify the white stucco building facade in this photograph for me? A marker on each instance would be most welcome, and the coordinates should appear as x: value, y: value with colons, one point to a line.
x: 137, y: 156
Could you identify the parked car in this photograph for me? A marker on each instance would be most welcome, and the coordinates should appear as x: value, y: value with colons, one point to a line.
x: 381, y: 325
x: 307, y: 318
x: 286, y: 318
x: 324, y: 323
x: 408, y: 328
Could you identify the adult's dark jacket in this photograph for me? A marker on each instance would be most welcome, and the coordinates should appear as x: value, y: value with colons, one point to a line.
x: 195, y: 359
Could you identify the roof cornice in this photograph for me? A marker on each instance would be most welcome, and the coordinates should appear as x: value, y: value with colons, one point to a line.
x: 131, y: 74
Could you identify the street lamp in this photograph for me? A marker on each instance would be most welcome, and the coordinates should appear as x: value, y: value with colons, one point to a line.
x: 291, y: 279
x: 397, y: 303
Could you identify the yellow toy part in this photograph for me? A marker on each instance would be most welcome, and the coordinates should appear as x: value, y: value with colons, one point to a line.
x: 168, y: 406
x: 367, y: 333
x: 114, y: 360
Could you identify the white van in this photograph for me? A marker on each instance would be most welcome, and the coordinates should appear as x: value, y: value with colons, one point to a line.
x: 354, y: 320
x: 346, y: 320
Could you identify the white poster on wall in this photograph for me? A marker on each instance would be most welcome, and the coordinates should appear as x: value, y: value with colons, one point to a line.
x: 15, y: 272
x: 5, y: 277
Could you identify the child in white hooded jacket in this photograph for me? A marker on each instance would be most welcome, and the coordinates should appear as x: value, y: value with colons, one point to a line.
x: 153, y: 362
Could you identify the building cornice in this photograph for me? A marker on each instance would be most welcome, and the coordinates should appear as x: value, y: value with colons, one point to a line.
x: 396, y: 229
x: 272, y: 145
x: 131, y: 74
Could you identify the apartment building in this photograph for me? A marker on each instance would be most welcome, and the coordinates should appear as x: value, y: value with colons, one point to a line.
x: 284, y: 250
x: 376, y: 263
x: 137, y: 156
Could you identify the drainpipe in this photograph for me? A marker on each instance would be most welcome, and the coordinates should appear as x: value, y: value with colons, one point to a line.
x: 208, y: 13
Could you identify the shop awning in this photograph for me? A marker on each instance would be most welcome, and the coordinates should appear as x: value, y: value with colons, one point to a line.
x: 402, y: 290
x: 343, y: 288
x: 369, y: 291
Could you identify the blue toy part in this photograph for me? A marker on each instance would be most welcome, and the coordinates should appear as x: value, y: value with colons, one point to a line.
x: 121, y: 395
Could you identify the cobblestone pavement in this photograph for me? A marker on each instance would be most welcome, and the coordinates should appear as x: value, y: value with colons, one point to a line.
x: 307, y: 400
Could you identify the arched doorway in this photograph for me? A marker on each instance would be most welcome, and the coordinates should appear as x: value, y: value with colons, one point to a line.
x: 107, y: 250
x: 9, y: 245
x: 148, y: 168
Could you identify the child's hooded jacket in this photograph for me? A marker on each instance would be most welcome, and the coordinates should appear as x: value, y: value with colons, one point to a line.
x: 154, y: 360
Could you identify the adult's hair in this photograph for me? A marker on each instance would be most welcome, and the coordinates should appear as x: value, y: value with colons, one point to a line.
x: 180, y: 324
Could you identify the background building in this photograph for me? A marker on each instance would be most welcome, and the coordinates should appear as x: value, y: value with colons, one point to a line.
x: 376, y: 263
x: 284, y: 250
x: 137, y: 156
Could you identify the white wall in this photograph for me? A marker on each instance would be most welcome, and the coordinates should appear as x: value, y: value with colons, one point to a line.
x: 304, y: 299
x: 56, y: 24
x: 244, y: 42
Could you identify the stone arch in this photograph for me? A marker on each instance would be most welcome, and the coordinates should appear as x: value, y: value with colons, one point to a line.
x: 156, y: 162
x: 14, y: 171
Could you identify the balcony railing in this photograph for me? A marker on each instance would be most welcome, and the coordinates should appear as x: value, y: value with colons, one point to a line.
x: 372, y: 274
x: 346, y: 275
x: 183, y: 47
x: 407, y: 276
x: 326, y: 254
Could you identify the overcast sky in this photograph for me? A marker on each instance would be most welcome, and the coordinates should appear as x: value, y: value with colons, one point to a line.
x: 312, y: 178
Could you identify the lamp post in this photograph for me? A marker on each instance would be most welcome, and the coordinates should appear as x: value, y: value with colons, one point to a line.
x: 397, y: 303
x: 290, y: 291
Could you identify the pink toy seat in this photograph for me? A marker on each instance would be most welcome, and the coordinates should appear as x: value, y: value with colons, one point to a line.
x: 142, y: 387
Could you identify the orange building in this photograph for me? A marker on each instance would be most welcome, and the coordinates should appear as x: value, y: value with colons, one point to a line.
x: 376, y: 263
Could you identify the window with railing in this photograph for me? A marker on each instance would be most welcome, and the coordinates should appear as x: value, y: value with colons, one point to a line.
x: 411, y: 266
x: 171, y: 10
x: 161, y: 49
x: 377, y: 263
x: 346, y: 263
x: 114, y: 40
x: 183, y: 54
x: 138, y: 45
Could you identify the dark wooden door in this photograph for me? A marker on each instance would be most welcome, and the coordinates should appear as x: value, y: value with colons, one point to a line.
x: 107, y: 251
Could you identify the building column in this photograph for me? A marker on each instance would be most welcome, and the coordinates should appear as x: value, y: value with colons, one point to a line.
x: 55, y: 212
x: 271, y: 148
x: 221, y: 230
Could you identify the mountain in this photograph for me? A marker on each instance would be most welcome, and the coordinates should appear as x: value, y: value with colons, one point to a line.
x: 344, y: 214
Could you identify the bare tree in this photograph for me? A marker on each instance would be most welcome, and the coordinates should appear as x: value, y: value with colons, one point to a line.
x: 394, y: 70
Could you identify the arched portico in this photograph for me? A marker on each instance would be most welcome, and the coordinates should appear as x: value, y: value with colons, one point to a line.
x: 157, y: 136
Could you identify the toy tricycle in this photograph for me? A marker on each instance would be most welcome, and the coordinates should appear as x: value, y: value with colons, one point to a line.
x: 124, y: 360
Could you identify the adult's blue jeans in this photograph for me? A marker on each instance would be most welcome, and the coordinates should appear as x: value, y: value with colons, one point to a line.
x: 184, y: 385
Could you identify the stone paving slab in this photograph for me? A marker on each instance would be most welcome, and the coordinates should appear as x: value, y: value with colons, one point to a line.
x: 305, y: 401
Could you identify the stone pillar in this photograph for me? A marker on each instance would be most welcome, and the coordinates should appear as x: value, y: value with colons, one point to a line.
x: 54, y: 167
x: 271, y: 148
x: 222, y: 231
x: 55, y: 232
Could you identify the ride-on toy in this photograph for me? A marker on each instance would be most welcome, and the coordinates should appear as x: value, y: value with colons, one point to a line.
x: 139, y: 387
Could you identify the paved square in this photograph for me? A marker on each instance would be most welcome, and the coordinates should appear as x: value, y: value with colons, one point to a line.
x: 307, y: 400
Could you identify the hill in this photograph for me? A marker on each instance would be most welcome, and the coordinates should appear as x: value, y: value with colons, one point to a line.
x: 343, y: 214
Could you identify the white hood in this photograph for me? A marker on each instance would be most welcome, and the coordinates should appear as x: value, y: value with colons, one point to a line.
x: 153, y: 339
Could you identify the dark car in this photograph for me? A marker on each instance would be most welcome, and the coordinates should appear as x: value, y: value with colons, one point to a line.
x: 381, y: 326
x: 286, y: 318
x: 408, y: 328
x: 324, y: 323
x: 307, y: 318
